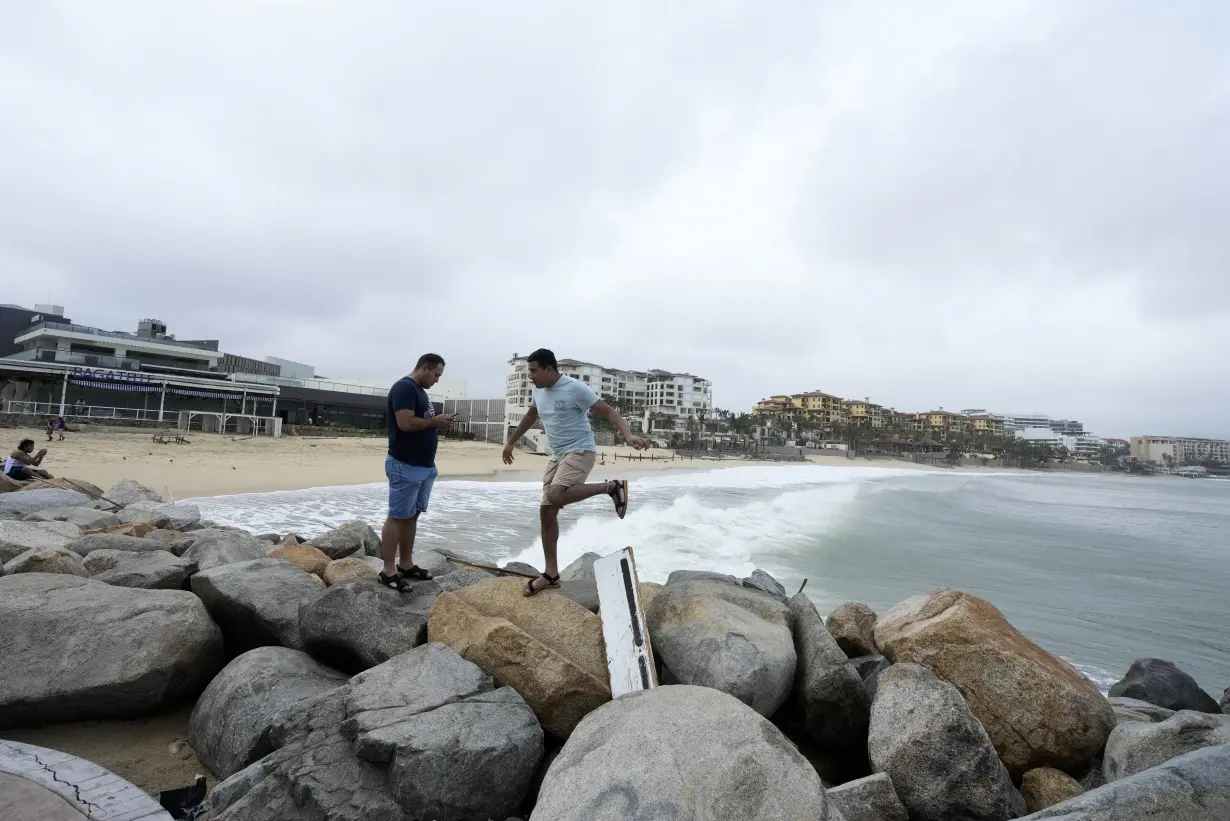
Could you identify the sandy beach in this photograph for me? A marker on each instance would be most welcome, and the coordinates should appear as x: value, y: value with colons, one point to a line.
x: 214, y: 465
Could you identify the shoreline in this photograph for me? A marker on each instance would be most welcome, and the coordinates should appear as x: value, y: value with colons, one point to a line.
x: 223, y: 465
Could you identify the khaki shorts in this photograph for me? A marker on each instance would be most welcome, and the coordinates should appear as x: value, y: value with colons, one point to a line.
x: 572, y: 469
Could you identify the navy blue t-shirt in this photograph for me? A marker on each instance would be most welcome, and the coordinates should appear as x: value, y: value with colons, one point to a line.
x: 414, y: 448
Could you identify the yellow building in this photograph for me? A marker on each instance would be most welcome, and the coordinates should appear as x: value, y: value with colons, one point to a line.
x: 986, y: 424
x: 862, y: 412
x: 822, y: 407
x: 944, y: 422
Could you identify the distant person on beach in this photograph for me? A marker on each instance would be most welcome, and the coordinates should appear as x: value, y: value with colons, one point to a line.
x: 411, y: 467
x: 564, y: 404
x: 23, y: 463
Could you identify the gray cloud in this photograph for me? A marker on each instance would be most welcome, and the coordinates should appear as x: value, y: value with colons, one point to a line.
x: 1012, y: 205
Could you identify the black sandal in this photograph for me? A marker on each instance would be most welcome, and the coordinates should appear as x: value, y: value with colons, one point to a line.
x: 415, y: 572
x: 530, y: 589
x: 619, y: 495
x: 395, y: 581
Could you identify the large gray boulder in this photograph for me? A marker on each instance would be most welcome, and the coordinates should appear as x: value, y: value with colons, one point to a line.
x: 461, y: 577
x: 358, y: 624
x: 730, y: 638
x: 85, y: 518
x: 46, y: 560
x: 21, y: 505
x: 129, y: 492
x: 829, y: 691
x: 352, y: 537
x: 212, y: 548
x: 1162, y: 683
x: 158, y: 570
x: 422, y: 736
x: 853, y: 626
x: 173, y: 540
x: 869, y: 799
x: 680, y: 752
x: 1136, y: 746
x: 762, y: 581
x: 1133, y: 709
x: 1192, y: 787
x: 580, y: 570
x: 76, y: 649
x: 256, y: 603
x: 180, y: 516
x: 90, y: 542
x: 678, y: 576
x: 18, y: 537
x: 232, y: 721
x: 938, y: 755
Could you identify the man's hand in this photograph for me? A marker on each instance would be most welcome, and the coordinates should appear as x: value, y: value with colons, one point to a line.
x: 508, y: 453
x: 42, y: 452
x: 638, y: 442
x: 445, y: 420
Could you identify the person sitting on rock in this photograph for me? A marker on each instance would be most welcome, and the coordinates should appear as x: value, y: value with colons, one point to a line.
x: 23, y: 463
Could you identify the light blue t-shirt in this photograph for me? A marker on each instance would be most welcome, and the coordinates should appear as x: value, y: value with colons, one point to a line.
x: 564, y: 410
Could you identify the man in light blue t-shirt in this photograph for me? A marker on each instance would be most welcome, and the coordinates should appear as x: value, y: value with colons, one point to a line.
x: 563, y: 404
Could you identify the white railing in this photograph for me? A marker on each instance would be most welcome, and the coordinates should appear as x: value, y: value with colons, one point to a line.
x: 86, y: 413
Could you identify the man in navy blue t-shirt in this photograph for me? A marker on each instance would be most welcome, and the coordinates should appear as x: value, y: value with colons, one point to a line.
x: 411, y: 468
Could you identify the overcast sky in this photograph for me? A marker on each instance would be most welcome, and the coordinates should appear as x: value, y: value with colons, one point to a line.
x: 1021, y: 206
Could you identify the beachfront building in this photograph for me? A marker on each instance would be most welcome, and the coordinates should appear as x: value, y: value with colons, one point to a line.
x: 942, y: 423
x: 862, y: 412
x: 1180, y: 450
x: 654, y: 401
x: 985, y: 424
x: 50, y: 366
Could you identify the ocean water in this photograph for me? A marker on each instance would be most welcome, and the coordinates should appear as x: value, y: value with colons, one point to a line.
x: 1100, y: 570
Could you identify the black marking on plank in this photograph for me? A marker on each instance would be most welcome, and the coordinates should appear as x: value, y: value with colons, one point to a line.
x: 637, y: 637
x: 640, y: 659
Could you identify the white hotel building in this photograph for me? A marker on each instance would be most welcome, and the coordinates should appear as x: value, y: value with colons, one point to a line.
x: 653, y: 402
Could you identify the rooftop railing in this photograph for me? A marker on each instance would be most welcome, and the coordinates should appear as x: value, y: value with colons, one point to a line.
x: 85, y: 329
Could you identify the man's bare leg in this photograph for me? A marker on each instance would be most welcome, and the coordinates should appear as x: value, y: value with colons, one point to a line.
x: 561, y: 496
x: 407, y: 529
x: 548, y: 516
x: 390, y: 538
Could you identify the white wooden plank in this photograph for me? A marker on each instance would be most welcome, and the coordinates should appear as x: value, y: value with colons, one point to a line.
x: 629, y: 654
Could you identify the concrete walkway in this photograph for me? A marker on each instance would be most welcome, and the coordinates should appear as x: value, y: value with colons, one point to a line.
x: 23, y: 800
x: 38, y: 784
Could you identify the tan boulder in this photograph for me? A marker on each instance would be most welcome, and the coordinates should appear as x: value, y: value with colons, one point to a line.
x: 47, y: 560
x: 853, y: 625
x: 137, y: 529
x: 1046, y: 787
x: 290, y: 539
x: 351, y: 567
x: 8, y: 485
x: 547, y: 647
x: 647, y: 592
x: 304, y: 557
x: 1038, y: 710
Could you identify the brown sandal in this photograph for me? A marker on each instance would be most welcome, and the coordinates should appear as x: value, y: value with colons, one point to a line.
x: 530, y: 589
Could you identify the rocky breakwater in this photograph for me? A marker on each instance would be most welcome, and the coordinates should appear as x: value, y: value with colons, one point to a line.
x: 343, y: 700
